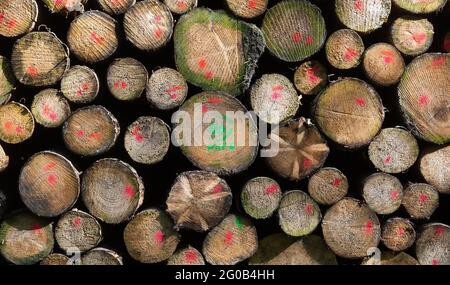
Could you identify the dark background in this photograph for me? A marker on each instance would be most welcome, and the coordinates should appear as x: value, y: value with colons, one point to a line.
x: 159, y: 178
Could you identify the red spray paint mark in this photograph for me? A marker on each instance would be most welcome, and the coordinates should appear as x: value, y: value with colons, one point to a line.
x: 217, y: 188
x: 136, y: 133
x: 419, y: 37
x: 58, y: 2
x: 358, y: 5
x: 336, y: 182
x: 36, y: 228
x: 273, y: 188
x: 276, y: 92
x: 388, y: 56
x: 8, y: 125
x: 439, y: 231
x: 387, y: 160
x: 311, y: 73
x: 97, y: 39
x: 395, y: 194
x: 209, y: 75
x: 11, y: 24
x: 80, y: 133
x: 251, y: 4
x: 400, y: 232
x: 129, y: 191
x: 434, y: 262
x: 423, y: 198
x: 297, y: 37
x: 120, y: 84
x: 181, y: 5
x: 306, y: 163
x: 204, y: 108
x: 350, y: 53
x: 309, y: 209
x: 215, y: 100
x: 190, y: 256
x: 95, y: 136
x: 171, y: 91
x: 32, y: 71
x: 424, y: 100
x: 77, y: 221
x: 309, y: 40
x: 202, y: 63
x: 48, y: 112
x: 52, y: 179
x: 2, y: 17
x: 19, y: 129
x: 158, y: 18
x: 49, y: 166
x: 368, y: 228
x: 159, y: 237
x: 85, y: 86
x: 228, y: 237
x: 158, y: 33
x: 438, y: 61
x: 360, y: 102
x: 447, y: 45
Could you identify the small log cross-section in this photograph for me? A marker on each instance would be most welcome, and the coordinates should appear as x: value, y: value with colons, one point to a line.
x: 435, y: 168
x: 383, y: 64
x: 16, y: 123
x: 180, y: 6
x: 425, y: 102
x: 301, y: 149
x: 49, y: 108
x: 147, y: 140
x: 281, y: 249
x: 101, y: 256
x: 432, y: 245
x: 344, y: 49
x: 80, y: 84
x: 383, y: 193
x: 77, y: 229
x: 148, y: 25
x: 198, y: 200
x: 49, y: 184
x: 4, y: 159
x: 216, y: 51
x: 420, y: 200
x: 363, y: 16
x: 39, y: 59
x: 93, y: 36
x: 393, y: 150
x: 247, y: 9
x: 412, y: 36
x: 294, y: 30
x: 398, y: 234
x: 112, y: 190
x: 56, y: 259
x: 350, y: 228
x: 116, y: 7
x: 186, y: 256
x: 65, y: 6
x: 350, y: 112
x: 328, y: 185
x: 260, y: 197
x: 18, y: 17
x: 298, y: 214
x: 90, y: 131
x: 7, y: 80
x: 126, y: 78
x: 229, y: 144
x: 310, y: 77
x: 166, y: 89
x: 420, y: 7
x: 25, y: 238
x: 232, y: 241
x: 149, y: 237
x: 274, y: 99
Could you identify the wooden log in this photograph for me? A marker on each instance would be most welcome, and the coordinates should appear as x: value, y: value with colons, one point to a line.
x: 230, y: 146
x: 398, y: 234
x: 350, y: 228
x: 56, y: 259
x: 294, y: 30
x: 186, y: 256
x: 247, y: 9
x: 112, y: 190
x: 420, y: 7
x: 198, y: 200
x: 310, y: 77
x: 180, y: 6
x: 49, y: 184
x: 93, y: 36
x: 281, y: 249
x: 302, y: 150
x: 166, y: 89
x: 7, y: 80
x: 116, y: 7
x: 149, y: 237
x: 147, y: 140
x: 298, y: 214
x: 393, y: 150
x: 432, y: 245
x: 274, y: 99
x: 148, y: 25
x: 328, y: 186
x: 65, y: 6
x: 349, y: 112
x: 223, y: 58
x: 90, y: 131
x: 363, y: 16
x: 16, y: 123
x: 39, y: 59
x: 232, y: 241
x: 80, y: 84
x: 435, y: 168
x: 420, y: 200
x: 446, y: 42
x: 4, y: 159
x: 383, y: 193
x: 77, y: 229
x: 126, y: 78
x: 260, y: 197
x: 3, y: 203
x: 25, y: 238
x: 17, y: 17
x: 49, y: 108
x: 391, y: 258
x: 424, y: 101
x: 101, y: 256
x: 344, y: 49
x: 412, y: 36
x: 383, y: 64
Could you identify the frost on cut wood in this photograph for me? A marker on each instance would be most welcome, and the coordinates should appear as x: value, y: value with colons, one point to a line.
x: 363, y: 16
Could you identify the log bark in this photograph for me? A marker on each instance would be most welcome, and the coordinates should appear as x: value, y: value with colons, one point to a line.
x: 294, y: 30
x: 55, y: 259
x: 80, y: 85
x: 180, y: 6
x: 49, y: 184
x: 101, y: 256
x: 398, y: 234
x: 16, y: 123
x: 50, y: 109
x: 383, y: 193
x: 412, y: 36
x: 112, y: 190
x: 7, y: 80
x: 260, y: 197
x: 232, y: 241
x: 126, y: 78
x: 420, y: 7
x: 116, y: 7
x: 344, y: 49
x: 198, y: 200
x: 420, y: 200
x: 435, y: 168
x: 149, y: 237
x: 247, y: 9
x: 186, y: 256
x: 432, y: 245
x: 166, y: 89
x: 328, y: 186
x: 310, y: 77
x: 19, y: 17
x: 363, y: 16
x: 383, y: 64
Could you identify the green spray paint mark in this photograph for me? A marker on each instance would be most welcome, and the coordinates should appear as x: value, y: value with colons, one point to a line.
x: 221, y: 133
x: 238, y: 223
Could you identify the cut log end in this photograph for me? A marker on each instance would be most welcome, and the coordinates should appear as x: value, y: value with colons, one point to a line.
x: 412, y: 36
x: 420, y: 200
x: 18, y: 17
x: 166, y: 89
x: 116, y: 7
x: 383, y: 64
x: 310, y: 77
x: 16, y: 123
x: 49, y: 108
x: 126, y: 79
x: 363, y: 16
x: 344, y: 49
x: 101, y: 256
x: 65, y: 6
x: 398, y: 234
x: 186, y: 256
x: 55, y: 259
x: 328, y: 186
x: 80, y: 85
x: 435, y: 168
x: 391, y: 258
x: 383, y: 193
x: 4, y: 159
x: 260, y: 197
x: 180, y: 6
x: 432, y: 245
x: 247, y: 9
x: 420, y: 7
x: 7, y: 80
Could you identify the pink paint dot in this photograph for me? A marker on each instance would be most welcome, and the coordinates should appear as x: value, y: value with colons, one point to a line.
x: 309, y: 40
x: 158, y: 32
x: 209, y: 75
x: 129, y: 191
x: 228, y: 237
x: 158, y: 17
x: 273, y: 188
x: 419, y: 37
x: 95, y: 136
x: 19, y: 129
x: 350, y: 53
x: 336, y: 182
x: 360, y: 102
x: 32, y: 71
x: 79, y: 93
x: 85, y: 86
x: 49, y: 166
x: 190, y: 256
x: 276, y: 96
x: 159, y: 237
x: 400, y: 232
x: 368, y: 227
x: 58, y: 2
x: 309, y: 209
x: 439, y: 231
x: 423, y: 198
x: 395, y: 194
x: 438, y: 61
x: 96, y: 38
x: 116, y: 84
x: 36, y: 228
x: 387, y: 160
x: 2, y: 17
x: 358, y: 5
x: 52, y: 179
x: 204, y: 108
x: 8, y: 125
x: 53, y: 116
x: 80, y: 133
x: 76, y: 221
x: 434, y: 262
x: 296, y: 37
x: 181, y: 5
x: 424, y: 100
x: 217, y: 188
x: 306, y: 163
x: 388, y: 56
x: 136, y: 133
x: 173, y: 96
x: 11, y: 24
x: 202, y: 63
x: 311, y: 73
x: 124, y: 84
